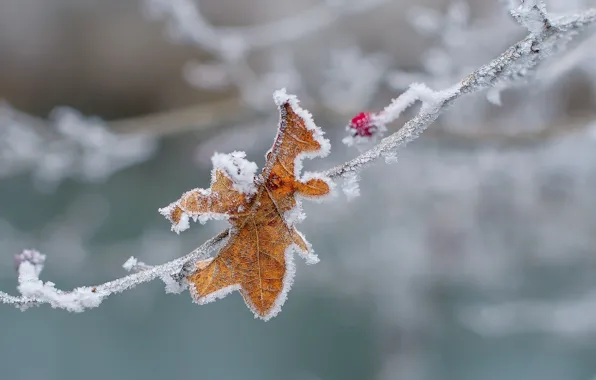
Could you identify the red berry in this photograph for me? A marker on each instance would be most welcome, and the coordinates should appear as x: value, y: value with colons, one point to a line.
x: 362, y: 125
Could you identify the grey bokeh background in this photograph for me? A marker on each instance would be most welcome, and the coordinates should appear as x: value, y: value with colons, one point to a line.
x: 472, y: 257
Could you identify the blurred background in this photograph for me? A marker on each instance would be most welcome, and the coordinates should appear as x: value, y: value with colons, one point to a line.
x: 472, y: 257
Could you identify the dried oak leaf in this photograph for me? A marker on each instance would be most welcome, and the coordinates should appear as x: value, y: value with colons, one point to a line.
x: 257, y: 258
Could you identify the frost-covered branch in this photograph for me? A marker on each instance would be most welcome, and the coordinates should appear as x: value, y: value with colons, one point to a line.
x: 548, y: 33
x: 36, y: 292
x: 69, y: 145
x: 231, y: 46
x: 187, y: 22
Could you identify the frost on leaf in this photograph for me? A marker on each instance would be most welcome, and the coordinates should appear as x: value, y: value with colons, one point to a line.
x: 239, y: 170
x: 257, y: 259
x: 232, y: 183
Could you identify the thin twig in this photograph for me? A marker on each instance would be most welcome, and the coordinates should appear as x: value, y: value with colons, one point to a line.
x: 201, y: 117
x: 505, y: 67
x: 119, y: 285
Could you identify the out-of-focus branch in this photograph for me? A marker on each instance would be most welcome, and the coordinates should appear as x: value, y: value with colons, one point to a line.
x: 68, y: 145
x: 231, y: 46
x: 225, y: 114
x: 187, y: 21
x: 202, y: 117
x: 515, y: 63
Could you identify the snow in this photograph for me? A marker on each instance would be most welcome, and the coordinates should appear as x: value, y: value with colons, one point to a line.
x: 241, y: 171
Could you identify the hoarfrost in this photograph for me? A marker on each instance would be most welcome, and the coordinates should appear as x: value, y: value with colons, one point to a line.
x: 316, y: 175
x: 281, y: 97
x: 207, y: 216
x: 34, y: 292
x: 431, y: 102
x: 130, y: 264
x: 350, y: 186
x: 532, y: 15
x: 173, y: 286
x: 72, y: 146
x: 309, y: 255
x: 134, y: 265
x: 184, y: 222
x: 30, y: 286
x: 241, y: 171
x: 294, y: 215
x: 365, y: 129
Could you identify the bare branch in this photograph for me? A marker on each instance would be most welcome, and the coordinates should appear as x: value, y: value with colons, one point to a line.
x: 187, y: 21
x: 201, y: 117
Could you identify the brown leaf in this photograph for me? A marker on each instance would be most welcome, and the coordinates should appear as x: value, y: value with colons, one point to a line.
x: 257, y: 259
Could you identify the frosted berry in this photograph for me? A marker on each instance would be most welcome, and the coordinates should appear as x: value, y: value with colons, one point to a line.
x: 362, y: 125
